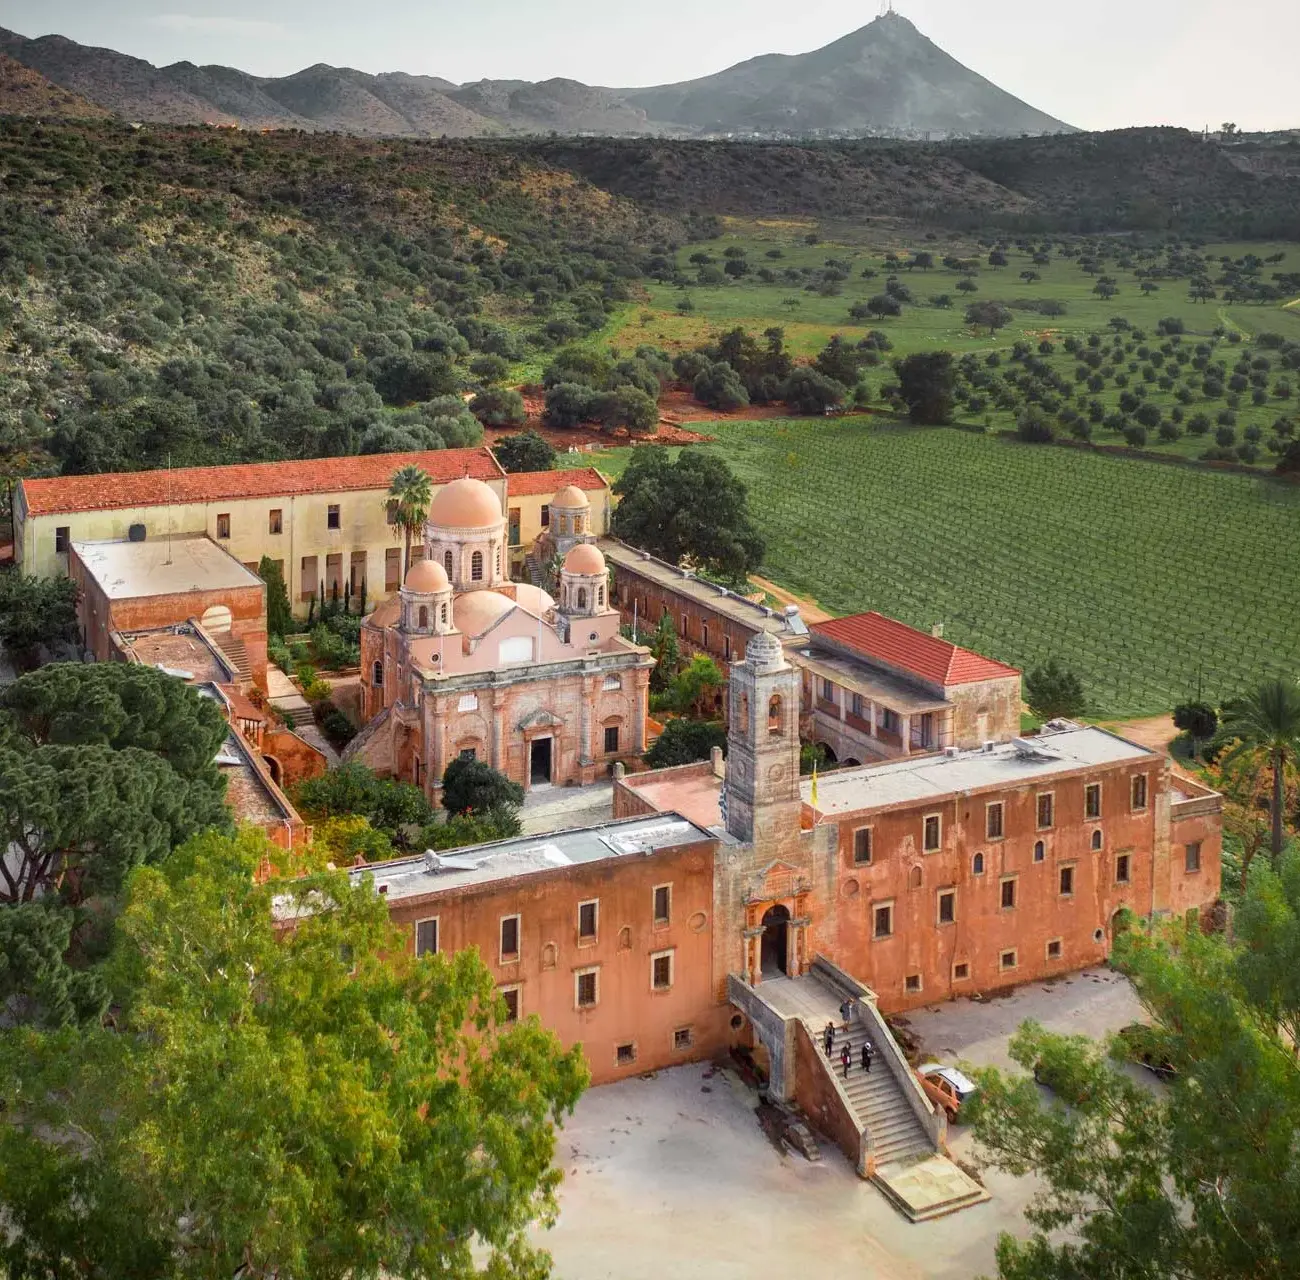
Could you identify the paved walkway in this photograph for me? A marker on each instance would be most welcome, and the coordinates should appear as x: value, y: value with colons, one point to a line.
x: 547, y: 809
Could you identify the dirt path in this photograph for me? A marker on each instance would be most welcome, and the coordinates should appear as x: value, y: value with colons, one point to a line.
x: 1156, y: 732
x: 809, y: 609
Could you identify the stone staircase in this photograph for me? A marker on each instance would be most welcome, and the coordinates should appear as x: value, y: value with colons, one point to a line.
x: 235, y: 650
x: 895, y: 1130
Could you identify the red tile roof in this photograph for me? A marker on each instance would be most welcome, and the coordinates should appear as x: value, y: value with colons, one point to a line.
x: 524, y: 484
x: 906, y: 649
x: 129, y: 489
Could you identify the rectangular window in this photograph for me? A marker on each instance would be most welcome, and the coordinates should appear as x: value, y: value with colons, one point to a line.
x: 961, y: 971
x: 426, y: 937
x: 223, y: 525
x: 586, y: 988
x: 912, y: 983
x: 828, y: 690
x: 663, y: 904
x: 1192, y: 857
x: 334, y: 575
x: 855, y: 706
x: 933, y: 833
x: 515, y: 519
x: 390, y: 511
x: 686, y: 626
x: 1092, y: 800
x: 625, y: 1055
x: 862, y: 847
x: 357, y: 572
x: 275, y: 520
x: 1046, y: 811
x: 310, y: 581
x: 611, y: 739
x: 1139, y: 792
x: 889, y: 720
x: 511, y: 996
x: 1008, y: 893
x: 683, y: 1038
x: 726, y: 648
x: 509, y: 939
x: 333, y: 519
x: 883, y: 917
x: 1122, y: 864
x: 1067, y: 882
x: 947, y: 906
x: 1054, y: 949
x: 469, y: 753
x: 661, y: 971
x: 587, y: 919
x: 704, y: 634
x: 546, y: 515
x: 993, y: 820
x: 392, y: 568
x: 62, y: 538
x: 1007, y: 960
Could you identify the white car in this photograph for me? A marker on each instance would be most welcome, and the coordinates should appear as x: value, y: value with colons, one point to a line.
x: 946, y: 1086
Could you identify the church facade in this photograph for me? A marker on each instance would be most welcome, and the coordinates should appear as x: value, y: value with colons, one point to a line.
x: 464, y: 663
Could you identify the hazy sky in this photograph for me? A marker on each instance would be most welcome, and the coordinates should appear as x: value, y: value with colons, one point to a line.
x: 1102, y: 64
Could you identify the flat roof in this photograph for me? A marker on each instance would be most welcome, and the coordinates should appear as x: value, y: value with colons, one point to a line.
x: 858, y: 675
x: 758, y: 617
x: 180, y: 652
x: 164, y: 566
x: 913, y: 780
x: 692, y: 791
x: 502, y: 860
x: 129, y: 489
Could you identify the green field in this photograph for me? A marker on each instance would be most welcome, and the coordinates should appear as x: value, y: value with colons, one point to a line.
x: 1142, y: 577
x: 810, y: 320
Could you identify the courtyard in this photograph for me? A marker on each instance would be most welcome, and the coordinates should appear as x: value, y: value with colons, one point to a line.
x: 672, y: 1175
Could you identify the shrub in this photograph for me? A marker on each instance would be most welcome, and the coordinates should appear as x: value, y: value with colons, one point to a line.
x: 685, y: 741
x: 499, y: 407
x: 1033, y: 427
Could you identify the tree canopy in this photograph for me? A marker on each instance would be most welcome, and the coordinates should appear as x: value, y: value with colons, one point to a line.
x: 35, y: 611
x: 694, y: 507
x: 1199, y: 1179
x: 926, y: 382
x: 474, y: 786
x: 527, y: 451
x: 312, y: 1102
x: 1052, y: 691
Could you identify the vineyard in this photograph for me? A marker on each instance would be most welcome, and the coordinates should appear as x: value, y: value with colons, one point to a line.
x: 1143, y: 578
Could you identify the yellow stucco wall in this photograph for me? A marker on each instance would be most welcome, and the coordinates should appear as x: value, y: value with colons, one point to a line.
x: 530, y: 507
x: 305, y: 532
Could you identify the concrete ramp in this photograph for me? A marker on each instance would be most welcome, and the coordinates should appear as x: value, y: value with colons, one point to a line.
x: 928, y: 1187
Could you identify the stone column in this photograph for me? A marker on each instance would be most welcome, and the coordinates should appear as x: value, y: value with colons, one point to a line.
x: 871, y: 717
x: 753, y: 963
x: 587, y: 713
x: 498, y: 729
x: 907, y: 735
x: 641, y: 683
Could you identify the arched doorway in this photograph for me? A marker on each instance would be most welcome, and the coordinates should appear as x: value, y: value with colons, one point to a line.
x: 773, y: 951
x: 828, y: 756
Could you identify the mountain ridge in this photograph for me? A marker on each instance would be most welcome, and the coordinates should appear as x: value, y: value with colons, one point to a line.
x: 884, y: 79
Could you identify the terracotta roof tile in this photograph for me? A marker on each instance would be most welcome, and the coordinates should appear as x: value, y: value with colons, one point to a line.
x: 907, y: 649
x: 128, y: 489
x: 524, y: 484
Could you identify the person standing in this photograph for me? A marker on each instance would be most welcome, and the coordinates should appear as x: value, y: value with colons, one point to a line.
x: 866, y: 1057
x: 846, y: 1012
x: 829, y: 1037
x: 846, y: 1058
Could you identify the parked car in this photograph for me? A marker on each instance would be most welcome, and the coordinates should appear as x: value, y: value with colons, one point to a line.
x: 946, y: 1087
x: 1142, y: 1045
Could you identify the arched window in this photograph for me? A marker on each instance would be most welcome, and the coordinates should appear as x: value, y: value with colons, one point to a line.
x: 1096, y: 839
x: 447, y: 562
x: 498, y: 562
x: 914, y: 878
x: 601, y: 596
x: 476, y: 567
x: 424, y: 617
x: 582, y: 597
x: 443, y: 615
x: 377, y: 675
x: 1040, y: 851
x: 977, y: 865
x: 774, y: 724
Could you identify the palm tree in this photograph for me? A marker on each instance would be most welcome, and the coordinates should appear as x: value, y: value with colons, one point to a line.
x: 1265, y: 724
x: 409, y: 496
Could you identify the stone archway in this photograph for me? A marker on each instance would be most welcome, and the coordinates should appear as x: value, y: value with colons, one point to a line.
x: 774, y: 947
x: 828, y: 754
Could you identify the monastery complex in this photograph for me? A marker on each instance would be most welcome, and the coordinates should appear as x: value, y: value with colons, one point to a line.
x: 727, y: 904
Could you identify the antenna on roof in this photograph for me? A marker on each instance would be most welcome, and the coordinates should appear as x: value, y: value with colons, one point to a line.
x: 169, y: 509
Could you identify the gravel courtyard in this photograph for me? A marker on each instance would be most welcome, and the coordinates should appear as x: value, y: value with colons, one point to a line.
x: 671, y: 1175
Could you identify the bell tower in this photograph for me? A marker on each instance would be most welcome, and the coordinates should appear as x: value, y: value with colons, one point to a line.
x: 762, y: 783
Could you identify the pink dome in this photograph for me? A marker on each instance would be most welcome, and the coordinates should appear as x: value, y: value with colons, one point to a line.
x: 585, y: 559
x: 466, y: 504
x: 478, y: 611
x: 426, y: 578
x: 569, y: 497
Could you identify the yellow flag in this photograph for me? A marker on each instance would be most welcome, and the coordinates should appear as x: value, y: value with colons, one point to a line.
x: 814, y: 785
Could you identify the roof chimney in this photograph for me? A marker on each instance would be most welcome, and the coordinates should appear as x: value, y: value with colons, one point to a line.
x: 937, y: 631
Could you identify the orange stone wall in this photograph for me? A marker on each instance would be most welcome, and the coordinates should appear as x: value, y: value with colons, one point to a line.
x: 550, y: 955
x: 901, y: 874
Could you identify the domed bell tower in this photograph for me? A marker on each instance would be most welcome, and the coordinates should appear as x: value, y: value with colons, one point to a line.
x: 762, y: 783
x: 426, y: 600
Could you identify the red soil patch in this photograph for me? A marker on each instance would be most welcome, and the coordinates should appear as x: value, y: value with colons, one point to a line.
x: 669, y: 430
x: 679, y: 406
